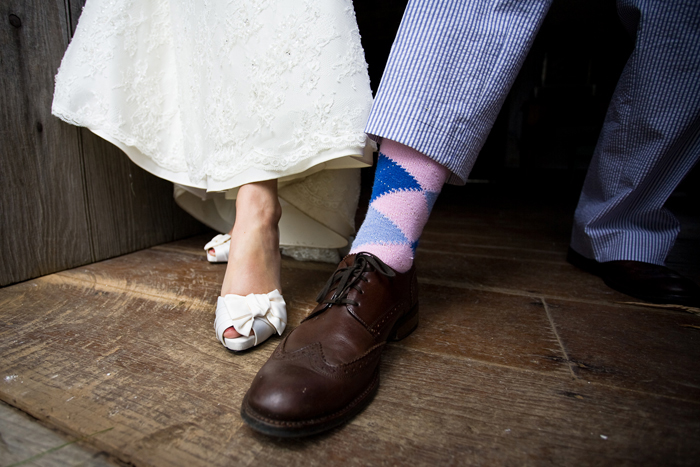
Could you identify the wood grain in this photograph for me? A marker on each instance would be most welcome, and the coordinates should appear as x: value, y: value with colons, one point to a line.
x: 127, y: 345
x: 611, y: 345
x: 129, y: 208
x: 27, y: 442
x: 68, y: 197
x: 43, y: 205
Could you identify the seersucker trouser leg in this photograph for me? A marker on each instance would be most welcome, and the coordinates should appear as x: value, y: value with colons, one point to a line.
x: 453, y: 63
x: 650, y: 139
x: 449, y: 71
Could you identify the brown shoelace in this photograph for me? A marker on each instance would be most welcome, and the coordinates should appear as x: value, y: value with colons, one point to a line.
x: 349, y: 278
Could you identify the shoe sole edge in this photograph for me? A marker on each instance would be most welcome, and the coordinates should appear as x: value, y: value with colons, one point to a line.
x: 303, y: 428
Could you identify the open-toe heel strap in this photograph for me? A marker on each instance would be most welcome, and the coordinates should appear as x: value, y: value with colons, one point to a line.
x: 264, y: 314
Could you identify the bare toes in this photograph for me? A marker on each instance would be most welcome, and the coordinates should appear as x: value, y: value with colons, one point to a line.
x: 231, y: 333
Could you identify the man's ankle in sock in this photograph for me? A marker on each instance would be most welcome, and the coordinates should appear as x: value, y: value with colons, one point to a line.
x: 406, y: 186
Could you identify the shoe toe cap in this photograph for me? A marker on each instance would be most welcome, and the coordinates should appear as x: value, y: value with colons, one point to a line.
x: 290, y: 393
x: 307, y: 389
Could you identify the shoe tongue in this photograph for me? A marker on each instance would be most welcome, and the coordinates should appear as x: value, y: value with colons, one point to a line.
x: 348, y: 261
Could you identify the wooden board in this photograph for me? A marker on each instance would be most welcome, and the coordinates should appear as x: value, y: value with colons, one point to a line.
x: 129, y: 208
x: 25, y: 441
x: 127, y: 345
x: 68, y: 197
x: 42, y: 202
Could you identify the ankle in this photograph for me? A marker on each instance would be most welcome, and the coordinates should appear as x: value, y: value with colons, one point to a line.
x: 408, y: 183
x: 257, y: 204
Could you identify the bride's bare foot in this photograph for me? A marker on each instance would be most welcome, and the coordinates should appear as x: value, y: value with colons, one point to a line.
x: 254, y: 255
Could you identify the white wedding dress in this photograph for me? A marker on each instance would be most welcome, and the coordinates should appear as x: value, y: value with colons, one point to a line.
x: 213, y: 95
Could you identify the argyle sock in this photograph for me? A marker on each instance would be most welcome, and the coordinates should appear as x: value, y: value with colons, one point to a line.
x: 406, y: 186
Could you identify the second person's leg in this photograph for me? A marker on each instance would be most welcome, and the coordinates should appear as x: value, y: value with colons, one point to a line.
x: 450, y: 69
x: 650, y: 140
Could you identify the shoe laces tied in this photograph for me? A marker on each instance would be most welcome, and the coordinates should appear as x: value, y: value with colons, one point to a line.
x: 349, y: 278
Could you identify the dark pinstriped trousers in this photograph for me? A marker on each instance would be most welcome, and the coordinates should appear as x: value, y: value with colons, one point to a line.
x: 451, y: 67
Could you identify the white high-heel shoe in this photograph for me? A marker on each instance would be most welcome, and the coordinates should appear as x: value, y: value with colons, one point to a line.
x: 221, y: 245
x: 263, y: 314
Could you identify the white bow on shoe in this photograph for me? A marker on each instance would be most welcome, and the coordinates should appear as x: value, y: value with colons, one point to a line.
x: 221, y: 245
x: 264, y: 314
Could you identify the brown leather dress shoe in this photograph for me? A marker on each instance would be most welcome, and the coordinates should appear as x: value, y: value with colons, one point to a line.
x: 327, y: 369
x: 648, y: 282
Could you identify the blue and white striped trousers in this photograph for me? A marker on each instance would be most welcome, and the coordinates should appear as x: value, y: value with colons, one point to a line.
x: 450, y: 70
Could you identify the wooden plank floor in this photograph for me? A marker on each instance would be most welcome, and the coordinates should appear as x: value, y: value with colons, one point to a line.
x: 24, y: 441
x: 520, y: 359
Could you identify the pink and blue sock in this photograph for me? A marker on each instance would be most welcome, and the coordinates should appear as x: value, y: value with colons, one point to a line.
x: 406, y: 186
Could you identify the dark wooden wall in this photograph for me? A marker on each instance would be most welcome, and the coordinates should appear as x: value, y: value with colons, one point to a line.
x: 67, y: 197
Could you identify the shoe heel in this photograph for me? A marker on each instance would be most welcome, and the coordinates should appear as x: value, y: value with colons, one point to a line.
x: 406, y: 325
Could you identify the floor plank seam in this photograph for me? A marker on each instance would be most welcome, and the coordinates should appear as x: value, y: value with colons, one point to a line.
x: 421, y: 280
x: 556, y: 334
x: 474, y: 360
x: 577, y: 380
x: 45, y: 441
x: 54, y: 424
x: 159, y: 295
x: 185, y: 251
x: 521, y: 293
